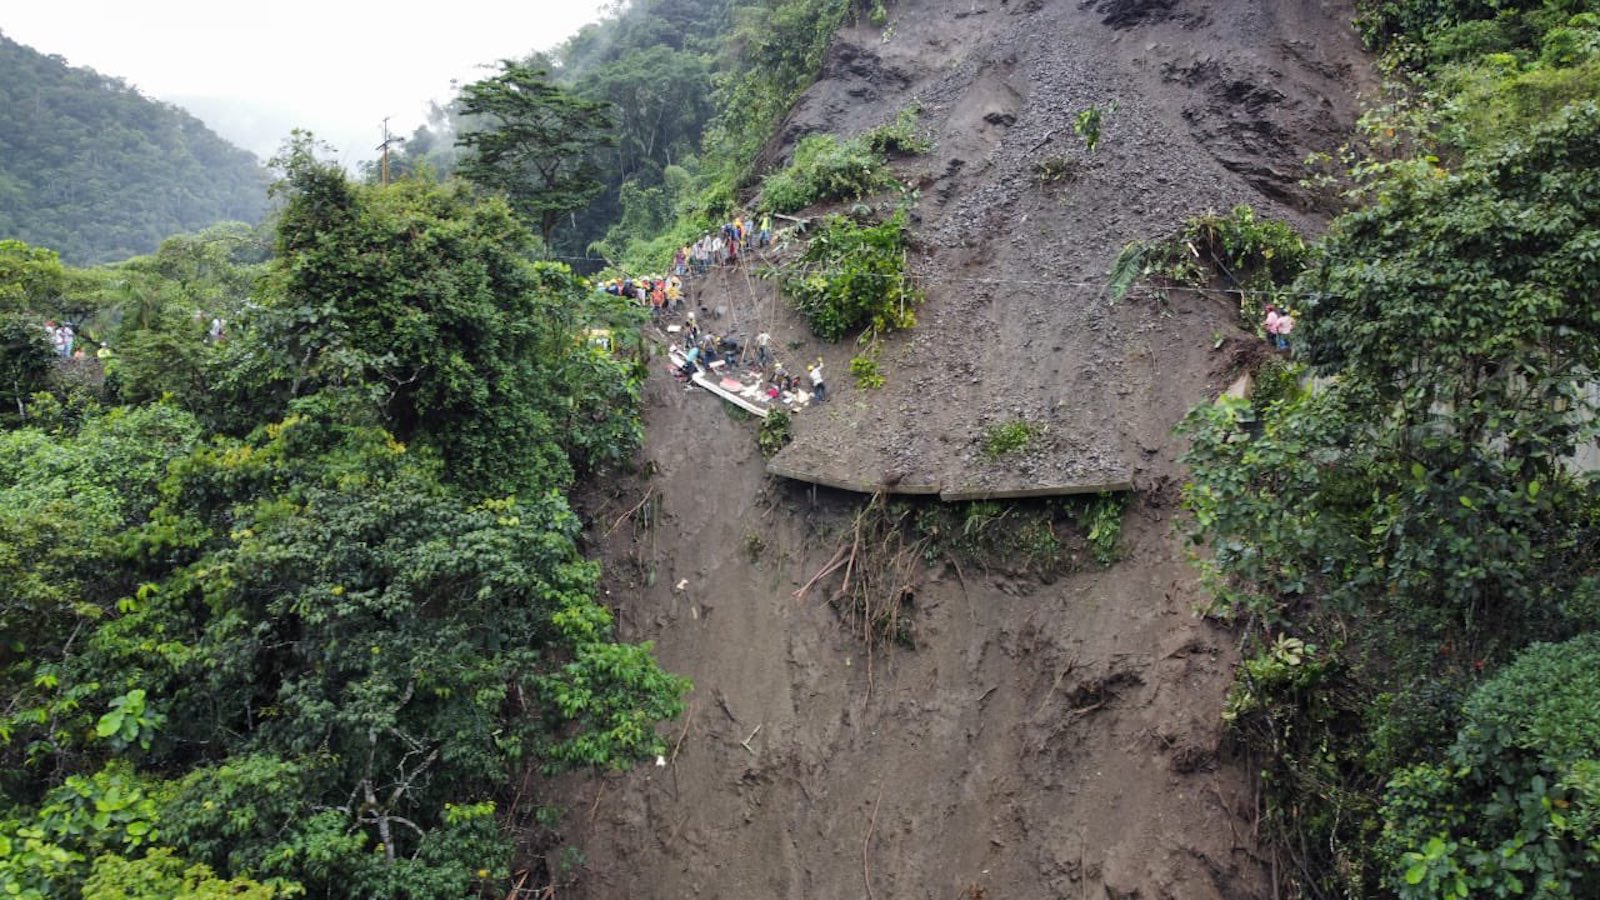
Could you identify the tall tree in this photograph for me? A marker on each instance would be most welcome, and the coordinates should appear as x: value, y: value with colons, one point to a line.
x: 539, y: 144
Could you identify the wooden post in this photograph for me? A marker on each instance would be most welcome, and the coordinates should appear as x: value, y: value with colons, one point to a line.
x: 383, y: 169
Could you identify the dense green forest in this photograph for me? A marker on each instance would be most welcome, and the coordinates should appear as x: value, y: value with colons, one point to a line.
x: 693, y: 89
x: 292, y: 605
x: 295, y: 596
x: 96, y: 171
x: 1408, y: 537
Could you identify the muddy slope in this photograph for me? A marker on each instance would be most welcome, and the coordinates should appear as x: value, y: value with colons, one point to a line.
x: 1055, y: 739
x: 1215, y: 105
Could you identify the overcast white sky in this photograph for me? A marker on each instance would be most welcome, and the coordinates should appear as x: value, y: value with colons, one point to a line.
x: 253, y: 71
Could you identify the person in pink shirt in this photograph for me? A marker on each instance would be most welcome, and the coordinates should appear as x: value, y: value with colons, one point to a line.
x: 1279, y: 325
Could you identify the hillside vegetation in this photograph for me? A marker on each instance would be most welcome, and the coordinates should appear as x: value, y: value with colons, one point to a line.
x: 96, y: 171
x: 295, y: 600
x: 1413, y: 544
x: 693, y: 89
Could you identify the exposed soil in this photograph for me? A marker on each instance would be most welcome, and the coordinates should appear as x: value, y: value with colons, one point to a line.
x: 1043, y: 738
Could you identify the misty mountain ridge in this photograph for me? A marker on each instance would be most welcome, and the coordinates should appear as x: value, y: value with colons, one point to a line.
x: 97, y: 171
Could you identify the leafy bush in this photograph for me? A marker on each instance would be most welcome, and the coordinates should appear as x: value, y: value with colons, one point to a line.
x: 864, y: 369
x: 1088, y: 122
x: 775, y: 433
x: 1277, y: 380
x: 1101, y: 522
x: 1257, y: 256
x: 1017, y: 535
x: 1002, y: 438
x: 825, y: 168
x: 785, y: 192
x: 900, y: 137
x: 1057, y: 170
x: 1497, y: 99
x: 26, y: 360
x: 1514, y: 808
x: 1572, y: 43
x: 1471, y: 40
x: 1384, y: 22
x: 1251, y: 248
x: 853, y: 276
x: 160, y: 874
x: 1282, y: 668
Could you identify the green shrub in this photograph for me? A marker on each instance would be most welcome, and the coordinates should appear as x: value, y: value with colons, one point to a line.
x: 1257, y: 256
x: 900, y: 137
x: 1254, y: 250
x: 775, y: 433
x: 1471, y: 40
x: 853, y: 276
x: 1570, y: 44
x: 755, y: 546
x: 1002, y: 438
x: 1275, y: 672
x: 1276, y: 380
x: 1101, y: 521
x: 1386, y: 22
x: 1057, y: 170
x: 26, y: 360
x: 1018, y: 535
x: 1496, y: 98
x: 1514, y: 807
x: 785, y: 192
x: 825, y: 168
x: 1088, y: 123
x: 864, y: 369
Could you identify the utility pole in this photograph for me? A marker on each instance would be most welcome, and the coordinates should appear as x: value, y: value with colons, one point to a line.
x: 387, y: 140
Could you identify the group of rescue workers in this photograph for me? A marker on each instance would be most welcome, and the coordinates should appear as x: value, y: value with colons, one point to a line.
x: 703, y: 350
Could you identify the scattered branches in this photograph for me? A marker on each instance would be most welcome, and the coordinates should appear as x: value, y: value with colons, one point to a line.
x: 880, y: 561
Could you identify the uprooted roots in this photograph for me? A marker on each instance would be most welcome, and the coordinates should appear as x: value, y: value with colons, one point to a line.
x: 877, y: 570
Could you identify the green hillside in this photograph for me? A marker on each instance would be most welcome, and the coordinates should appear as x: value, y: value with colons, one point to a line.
x: 93, y: 169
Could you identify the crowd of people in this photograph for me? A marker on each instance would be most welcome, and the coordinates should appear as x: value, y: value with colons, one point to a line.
x: 68, y: 344
x: 702, y: 350
x: 723, y: 247
x: 722, y: 355
x: 658, y: 293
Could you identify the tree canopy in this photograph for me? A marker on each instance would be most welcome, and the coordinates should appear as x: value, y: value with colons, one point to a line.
x: 536, y: 143
x: 292, y: 614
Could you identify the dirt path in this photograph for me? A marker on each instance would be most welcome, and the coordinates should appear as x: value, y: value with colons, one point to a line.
x: 1054, y: 739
